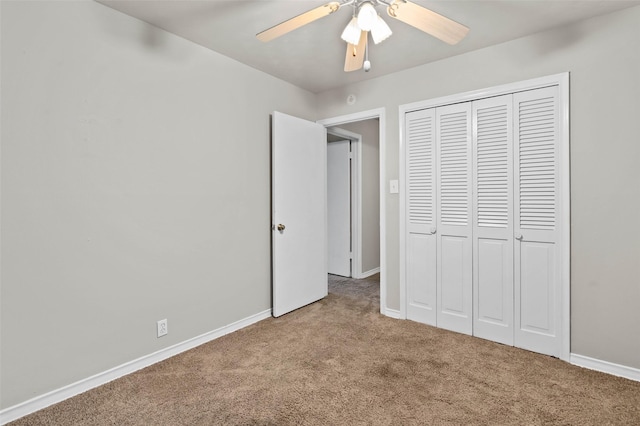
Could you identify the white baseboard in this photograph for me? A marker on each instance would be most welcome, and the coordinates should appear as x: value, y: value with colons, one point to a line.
x: 606, y: 367
x: 20, y: 410
x: 369, y: 272
x: 392, y: 313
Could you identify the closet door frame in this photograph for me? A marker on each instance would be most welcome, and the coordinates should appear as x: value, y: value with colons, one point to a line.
x: 562, y: 82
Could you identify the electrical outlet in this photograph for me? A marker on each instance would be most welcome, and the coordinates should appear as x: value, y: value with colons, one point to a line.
x: 163, y: 327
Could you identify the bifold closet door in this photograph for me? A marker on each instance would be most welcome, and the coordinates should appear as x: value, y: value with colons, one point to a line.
x: 537, y: 213
x: 454, y: 225
x: 483, y: 218
x: 493, y: 219
x: 420, y: 206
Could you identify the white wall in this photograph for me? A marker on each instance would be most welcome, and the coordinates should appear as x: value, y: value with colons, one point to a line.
x: 603, y: 58
x: 135, y: 187
x: 370, y: 162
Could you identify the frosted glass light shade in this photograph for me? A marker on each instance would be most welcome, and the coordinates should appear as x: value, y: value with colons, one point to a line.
x: 380, y: 31
x: 367, y: 16
x: 351, y: 33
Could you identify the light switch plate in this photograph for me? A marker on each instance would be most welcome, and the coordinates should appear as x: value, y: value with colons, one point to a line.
x: 393, y: 186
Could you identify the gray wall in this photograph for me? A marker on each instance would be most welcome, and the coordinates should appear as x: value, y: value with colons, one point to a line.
x: 369, y: 129
x: 603, y: 58
x: 135, y: 187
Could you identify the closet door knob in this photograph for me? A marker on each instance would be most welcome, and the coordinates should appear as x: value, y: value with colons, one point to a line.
x: 519, y: 237
x: 433, y: 230
x: 280, y: 227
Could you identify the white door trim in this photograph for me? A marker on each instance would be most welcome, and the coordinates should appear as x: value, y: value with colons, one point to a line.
x: 356, y: 197
x: 562, y: 81
x: 380, y: 114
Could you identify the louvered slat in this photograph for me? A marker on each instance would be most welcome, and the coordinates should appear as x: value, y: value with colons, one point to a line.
x: 420, y: 173
x: 537, y: 153
x: 492, y: 167
x: 454, y: 166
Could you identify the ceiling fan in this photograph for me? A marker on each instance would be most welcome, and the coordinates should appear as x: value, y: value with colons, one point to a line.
x: 366, y: 20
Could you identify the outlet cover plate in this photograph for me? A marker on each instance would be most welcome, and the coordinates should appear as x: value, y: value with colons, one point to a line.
x: 163, y: 327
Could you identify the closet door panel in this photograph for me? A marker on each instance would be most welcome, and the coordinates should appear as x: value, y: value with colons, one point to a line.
x: 454, y: 274
x: 493, y: 290
x: 493, y: 219
x: 454, y: 225
x: 537, y: 206
x: 420, y: 167
x: 537, y: 283
x: 421, y: 278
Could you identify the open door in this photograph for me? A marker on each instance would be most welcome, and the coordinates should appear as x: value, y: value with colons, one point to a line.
x: 339, y: 207
x: 298, y: 212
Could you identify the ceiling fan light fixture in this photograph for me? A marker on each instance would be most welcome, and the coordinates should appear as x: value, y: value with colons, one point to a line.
x: 380, y: 31
x: 366, y: 20
x: 367, y: 16
x: 351, y: 33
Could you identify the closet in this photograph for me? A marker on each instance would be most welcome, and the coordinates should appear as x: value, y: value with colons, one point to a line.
x: 482, y: 214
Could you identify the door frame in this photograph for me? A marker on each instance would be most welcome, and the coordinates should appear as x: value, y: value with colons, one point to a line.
x: 562, y: 81
x: 380, y: 114
x: 356, y: 197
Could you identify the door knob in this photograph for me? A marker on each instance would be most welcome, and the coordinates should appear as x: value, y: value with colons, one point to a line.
x: 280, y: 227
x: 519, y: 237
x: 432, y: 230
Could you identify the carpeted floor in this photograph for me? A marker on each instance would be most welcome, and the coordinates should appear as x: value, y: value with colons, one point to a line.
x: 339, y: 361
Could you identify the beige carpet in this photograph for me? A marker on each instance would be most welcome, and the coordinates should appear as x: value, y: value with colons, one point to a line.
x: 339, y: 361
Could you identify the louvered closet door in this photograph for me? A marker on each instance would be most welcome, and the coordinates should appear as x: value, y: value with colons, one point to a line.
x: 537, y: 206
x: 454, y: 226
x: 421, y: 216
x: 493, y: 219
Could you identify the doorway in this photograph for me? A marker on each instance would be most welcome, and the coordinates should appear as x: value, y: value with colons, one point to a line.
x: 368, y: 222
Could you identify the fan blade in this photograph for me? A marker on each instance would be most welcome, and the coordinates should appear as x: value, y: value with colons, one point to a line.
x: 298, y: 21
x: 428, y: 21
x: 355, y: 54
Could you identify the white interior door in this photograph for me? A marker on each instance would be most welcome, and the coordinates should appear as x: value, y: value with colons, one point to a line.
x: 339, y: 207
x: 420, y: 167
x: 537, y: 226
x: 493, y: 219
x: 299, y: 212
x: 454, y: 224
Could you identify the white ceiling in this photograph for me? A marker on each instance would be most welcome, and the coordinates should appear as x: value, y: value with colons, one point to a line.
x: 312, y: 57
